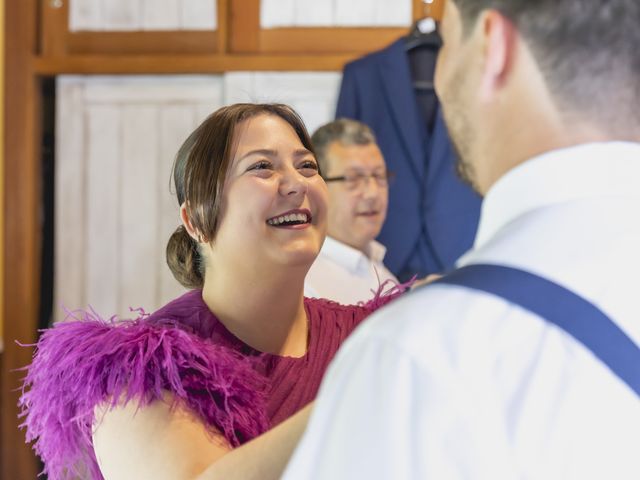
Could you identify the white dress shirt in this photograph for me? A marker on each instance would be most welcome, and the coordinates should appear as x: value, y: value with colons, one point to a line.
x: 451, y: 383
x: 345, y: 274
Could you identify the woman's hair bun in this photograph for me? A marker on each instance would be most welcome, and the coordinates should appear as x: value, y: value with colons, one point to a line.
x: 184, y: 260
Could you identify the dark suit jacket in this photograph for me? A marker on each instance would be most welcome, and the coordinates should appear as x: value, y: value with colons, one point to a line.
x: 427, y: 201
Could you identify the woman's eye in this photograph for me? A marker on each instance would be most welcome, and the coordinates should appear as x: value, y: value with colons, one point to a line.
x: 262, y: 165
x: 309, y: 164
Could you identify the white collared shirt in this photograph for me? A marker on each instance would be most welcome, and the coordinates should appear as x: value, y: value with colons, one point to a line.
x: 451, y: 383
x: 345, y: 274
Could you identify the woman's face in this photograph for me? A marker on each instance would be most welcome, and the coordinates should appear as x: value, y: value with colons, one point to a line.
x: 274, y: 201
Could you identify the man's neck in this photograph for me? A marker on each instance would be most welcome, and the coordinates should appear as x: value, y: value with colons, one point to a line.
x: 517, y: 143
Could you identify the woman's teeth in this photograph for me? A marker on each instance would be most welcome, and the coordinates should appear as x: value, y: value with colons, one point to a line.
x: 296, y: 218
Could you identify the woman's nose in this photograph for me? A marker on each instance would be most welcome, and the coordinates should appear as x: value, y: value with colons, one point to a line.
x: 293, y: 182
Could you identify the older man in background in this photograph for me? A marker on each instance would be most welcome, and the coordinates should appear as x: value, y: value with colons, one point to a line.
x: 349, y: 268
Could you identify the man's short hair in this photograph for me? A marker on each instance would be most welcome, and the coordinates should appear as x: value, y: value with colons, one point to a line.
x: 346, y: 131
x: 588, y: 52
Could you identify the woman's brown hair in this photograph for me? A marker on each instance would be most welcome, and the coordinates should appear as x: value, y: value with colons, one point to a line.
x: 199, y: 173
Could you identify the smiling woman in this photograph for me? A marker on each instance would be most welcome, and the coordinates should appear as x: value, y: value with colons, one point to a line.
x: 195, y: 389
x: 249, y: 152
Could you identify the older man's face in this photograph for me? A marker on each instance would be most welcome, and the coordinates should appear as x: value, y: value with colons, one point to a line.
x: 358, y: 205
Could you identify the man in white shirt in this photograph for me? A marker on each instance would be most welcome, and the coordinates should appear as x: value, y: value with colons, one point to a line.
x: 349, y: 268
x: 541, y: 99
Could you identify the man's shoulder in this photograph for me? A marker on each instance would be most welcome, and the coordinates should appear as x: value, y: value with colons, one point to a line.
x: 448, y: 320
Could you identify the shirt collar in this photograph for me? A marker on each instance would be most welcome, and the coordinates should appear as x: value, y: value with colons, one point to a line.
x: 376, y: 251
x: 589, y: 170
x: 350, y: 257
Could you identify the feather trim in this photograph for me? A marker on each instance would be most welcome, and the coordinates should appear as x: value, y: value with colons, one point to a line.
x: 387, y: 291
x: 78, y: 365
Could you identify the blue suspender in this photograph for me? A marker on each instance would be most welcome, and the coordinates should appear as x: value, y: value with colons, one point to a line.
x: 576, y: 316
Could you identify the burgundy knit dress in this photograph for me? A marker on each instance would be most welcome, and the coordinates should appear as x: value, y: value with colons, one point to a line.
x: 181, y: 348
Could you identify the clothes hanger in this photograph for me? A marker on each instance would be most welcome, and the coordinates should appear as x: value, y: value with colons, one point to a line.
x: 424, y: 32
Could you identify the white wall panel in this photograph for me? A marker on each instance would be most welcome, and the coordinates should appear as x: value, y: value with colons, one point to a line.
x: 398, y: 13
x: 199, y: 15
x: 117, y: 137
x: 177, y: 121
x: 357, y: 13
x: 126, y: 15
x: 85, y: 15
x: 121, y: 14
x: 139, y: 225
x: 70, y: 192
x: 315, y: 112
x: 240, y: 87
x: 126, y: 89
x: 160, y: 15
x: 311, y: 13
x: 103, y: 205
x: 277, y: 13
x: 204, y: 109
x: 335, y: 13
x: 312, y: 94
x: 137, y: 15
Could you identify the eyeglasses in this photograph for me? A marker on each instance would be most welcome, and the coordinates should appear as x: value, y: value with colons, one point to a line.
x: 357, y: 181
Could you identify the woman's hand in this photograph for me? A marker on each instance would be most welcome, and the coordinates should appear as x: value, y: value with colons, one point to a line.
x: 426, y: 280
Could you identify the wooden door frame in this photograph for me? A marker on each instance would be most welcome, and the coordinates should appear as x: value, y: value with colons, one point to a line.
x: 21, y: 215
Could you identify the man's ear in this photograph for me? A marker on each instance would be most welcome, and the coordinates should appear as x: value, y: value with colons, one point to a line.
x: 186, y: 221
x: 499, y: 49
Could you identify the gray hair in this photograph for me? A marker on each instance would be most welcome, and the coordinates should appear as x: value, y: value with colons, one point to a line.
x: 344, y: 130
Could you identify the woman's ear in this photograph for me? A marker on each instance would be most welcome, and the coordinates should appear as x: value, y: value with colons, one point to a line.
x: 186, y: 221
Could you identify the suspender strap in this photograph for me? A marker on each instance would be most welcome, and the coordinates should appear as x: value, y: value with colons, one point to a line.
x: 561, y: 307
